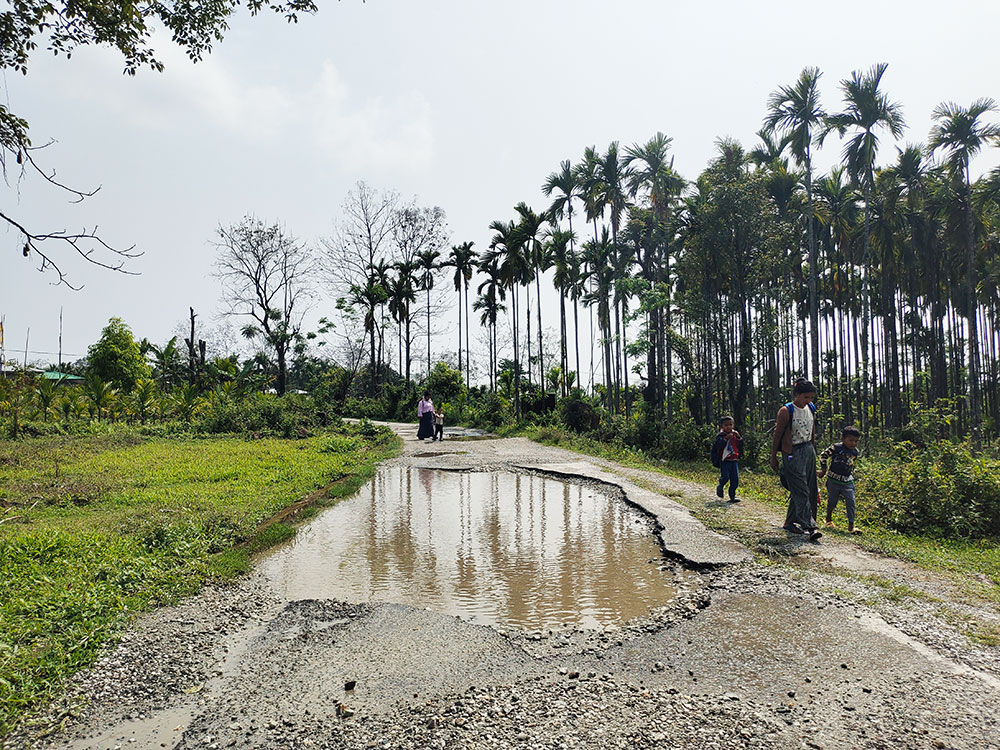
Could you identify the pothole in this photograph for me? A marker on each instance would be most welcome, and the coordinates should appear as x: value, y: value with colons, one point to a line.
x: 499, y: 548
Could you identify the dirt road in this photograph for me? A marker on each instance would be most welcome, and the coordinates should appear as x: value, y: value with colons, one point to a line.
x: 800, y: 650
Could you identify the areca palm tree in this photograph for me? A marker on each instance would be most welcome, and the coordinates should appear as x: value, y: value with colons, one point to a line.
x: 794, y: 112
x: 369, y: 298
x: 513, y: 267
x: 45, y: 394
x: 462, y: 258
x: 488, y: 304
x: 99, y: 393
x: 961, y: 134
x: 558, y: 249
x: 402, y: 294
x: 867, y: 110
x: 587, y: 174
x: 166, y: 362
x: 653, y: 174
x: 837, y: 210
x: 530, y: 228
x: 609, y: 191
x: 427, y: 264
x: 566, y: 183
x: 599, y: 257
x: 768, y: 151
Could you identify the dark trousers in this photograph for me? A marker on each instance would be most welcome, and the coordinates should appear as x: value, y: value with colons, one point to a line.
x: 730, y: 472
x: 836, y: 490
x: 799, y: 473
x: 439, y: 432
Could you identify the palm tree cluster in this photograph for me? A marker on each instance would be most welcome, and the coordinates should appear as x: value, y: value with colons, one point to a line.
x: 878, y: 282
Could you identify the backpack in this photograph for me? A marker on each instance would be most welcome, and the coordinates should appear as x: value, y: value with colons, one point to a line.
x: 717, y: 447
x: 791, y: 412
x: 791, y: 409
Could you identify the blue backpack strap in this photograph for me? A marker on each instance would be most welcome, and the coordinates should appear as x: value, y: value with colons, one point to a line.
x: 791, y: 409
x: 812, y: 407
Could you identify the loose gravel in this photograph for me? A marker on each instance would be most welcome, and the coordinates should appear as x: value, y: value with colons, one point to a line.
x: 747, y: 656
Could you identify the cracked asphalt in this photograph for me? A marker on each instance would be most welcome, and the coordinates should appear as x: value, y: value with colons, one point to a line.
x: 751, y: 654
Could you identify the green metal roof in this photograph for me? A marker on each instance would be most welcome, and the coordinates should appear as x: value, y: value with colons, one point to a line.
x: 53, y: 375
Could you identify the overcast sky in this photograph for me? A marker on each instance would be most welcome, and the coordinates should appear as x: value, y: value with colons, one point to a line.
x: 465, y: 105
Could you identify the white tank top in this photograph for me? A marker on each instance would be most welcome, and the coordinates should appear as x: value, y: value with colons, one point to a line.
x: 802, y: 425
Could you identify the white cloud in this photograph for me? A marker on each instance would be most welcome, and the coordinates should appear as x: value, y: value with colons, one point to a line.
x: 381, y: 133
x: 352, y: 131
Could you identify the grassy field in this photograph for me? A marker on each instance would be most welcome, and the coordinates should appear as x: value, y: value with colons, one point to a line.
x: 975, y: 565
x: 95, y: 529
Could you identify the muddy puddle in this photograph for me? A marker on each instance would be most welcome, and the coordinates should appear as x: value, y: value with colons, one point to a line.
x: 492, y: 547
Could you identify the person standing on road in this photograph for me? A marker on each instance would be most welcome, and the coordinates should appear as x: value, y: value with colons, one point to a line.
x: 425, y: 413
x: 726, y: 457
x: 439, y: 423
x: 794, y: 440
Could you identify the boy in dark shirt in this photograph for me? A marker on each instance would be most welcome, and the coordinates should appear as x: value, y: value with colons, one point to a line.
x: 726, y: 456
x: 840, y: 478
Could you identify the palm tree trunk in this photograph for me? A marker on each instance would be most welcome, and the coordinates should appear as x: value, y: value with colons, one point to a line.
x: 576, y: 336
x: 813, y: 273
x: 428, y: 331
x: 541, y: 356
x: 971, y: 316
x: 460, y: 328
x: 527, y: 338
x: 865, y: 319
x: 468, y: 325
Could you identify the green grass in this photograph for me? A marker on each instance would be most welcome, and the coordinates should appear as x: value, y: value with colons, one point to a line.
x: 973, y: 565
x: 94, y: 529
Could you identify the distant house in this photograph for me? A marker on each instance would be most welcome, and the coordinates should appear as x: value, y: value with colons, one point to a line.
x: 62, y: 377
x: 59, y: 377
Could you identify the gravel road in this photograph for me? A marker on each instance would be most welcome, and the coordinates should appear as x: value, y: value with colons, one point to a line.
x: 753, y: 653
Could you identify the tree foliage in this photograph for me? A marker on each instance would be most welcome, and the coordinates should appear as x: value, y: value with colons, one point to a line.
x: 66, y: 25
x: 116, y: 358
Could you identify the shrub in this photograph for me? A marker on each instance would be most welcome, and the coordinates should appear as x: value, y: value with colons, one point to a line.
x: 578, y: 413
x: 489, y: 412
x: 944, y: 489
x: 444, y: 383
x: 687, y: 441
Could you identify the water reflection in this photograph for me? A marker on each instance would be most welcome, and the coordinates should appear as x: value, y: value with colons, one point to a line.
x: 493, y: 547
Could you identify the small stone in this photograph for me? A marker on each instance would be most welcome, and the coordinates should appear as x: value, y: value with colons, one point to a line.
x: 350, y: 685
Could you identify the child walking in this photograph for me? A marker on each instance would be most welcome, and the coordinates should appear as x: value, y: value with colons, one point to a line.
x: 726, y: 457
x: 793, y: 441
x: 840, y: 477
x: 439, y: 423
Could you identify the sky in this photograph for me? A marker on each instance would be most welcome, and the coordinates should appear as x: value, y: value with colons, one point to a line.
x: 464, y: 105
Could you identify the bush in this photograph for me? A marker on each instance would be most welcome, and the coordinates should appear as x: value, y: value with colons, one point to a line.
x: 445, y: 384
x: 489, y: 412
x: 287, y: 416
x: 687, y: 441
x: 365, y: 407
x: 944, y: 489
x: 578, y: 413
